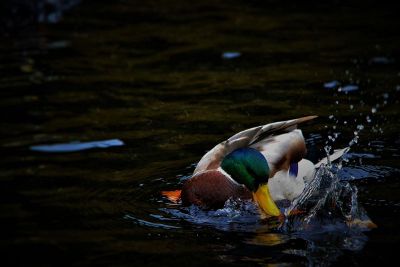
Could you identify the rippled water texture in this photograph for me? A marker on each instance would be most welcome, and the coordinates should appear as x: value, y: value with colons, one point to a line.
x: 105, y: 105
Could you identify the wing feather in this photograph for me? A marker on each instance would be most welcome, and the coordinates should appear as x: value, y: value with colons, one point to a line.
x: 213, y: 158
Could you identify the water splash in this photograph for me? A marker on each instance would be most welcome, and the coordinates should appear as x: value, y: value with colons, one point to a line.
x: 236, y: 215
x: 334, y: 220
x: 327, y: 198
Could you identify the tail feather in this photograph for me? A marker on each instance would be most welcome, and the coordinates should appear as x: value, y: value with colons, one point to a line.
x: 336, y: 155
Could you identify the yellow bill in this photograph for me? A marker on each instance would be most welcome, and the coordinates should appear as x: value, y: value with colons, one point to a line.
x: 265, y: 202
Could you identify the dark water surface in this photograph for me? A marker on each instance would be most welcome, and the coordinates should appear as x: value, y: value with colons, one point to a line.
x: 154, y: 75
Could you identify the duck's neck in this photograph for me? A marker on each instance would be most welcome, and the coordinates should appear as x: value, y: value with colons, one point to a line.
x: 247, y: 166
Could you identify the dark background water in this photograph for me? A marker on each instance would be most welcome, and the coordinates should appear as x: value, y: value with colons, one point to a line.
x: 151, y: 73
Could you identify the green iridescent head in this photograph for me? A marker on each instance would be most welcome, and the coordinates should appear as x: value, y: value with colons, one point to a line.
x: 247, y: 166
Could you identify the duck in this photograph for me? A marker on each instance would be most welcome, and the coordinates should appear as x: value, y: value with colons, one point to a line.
x: 265, y: 164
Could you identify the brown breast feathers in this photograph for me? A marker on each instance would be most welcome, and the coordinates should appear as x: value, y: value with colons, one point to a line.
x: 211, y: 189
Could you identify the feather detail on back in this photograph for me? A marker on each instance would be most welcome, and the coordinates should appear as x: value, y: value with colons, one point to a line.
x: 212, y: 159
x: 282, y: 150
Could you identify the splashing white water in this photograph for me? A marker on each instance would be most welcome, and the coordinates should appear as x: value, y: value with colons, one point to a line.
x: 325, y: 198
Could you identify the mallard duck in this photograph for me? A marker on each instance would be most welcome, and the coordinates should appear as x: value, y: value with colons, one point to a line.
x: 264, y: 163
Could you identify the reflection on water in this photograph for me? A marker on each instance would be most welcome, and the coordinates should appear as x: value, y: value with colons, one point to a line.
x: 230, y: 55
x: 76, y: 146
x: 235, y: 216
x: 149, y: 224
x: 153, y: 74
x: 348, y: 88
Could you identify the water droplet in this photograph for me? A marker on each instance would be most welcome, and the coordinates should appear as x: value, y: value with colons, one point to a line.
x: 373, y: 110
x: 354, y: 140
x: 351, y: 106
x: 327, y: 149
x: 331, y: 117
x: 368, y: 119
x: 340, y: 165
